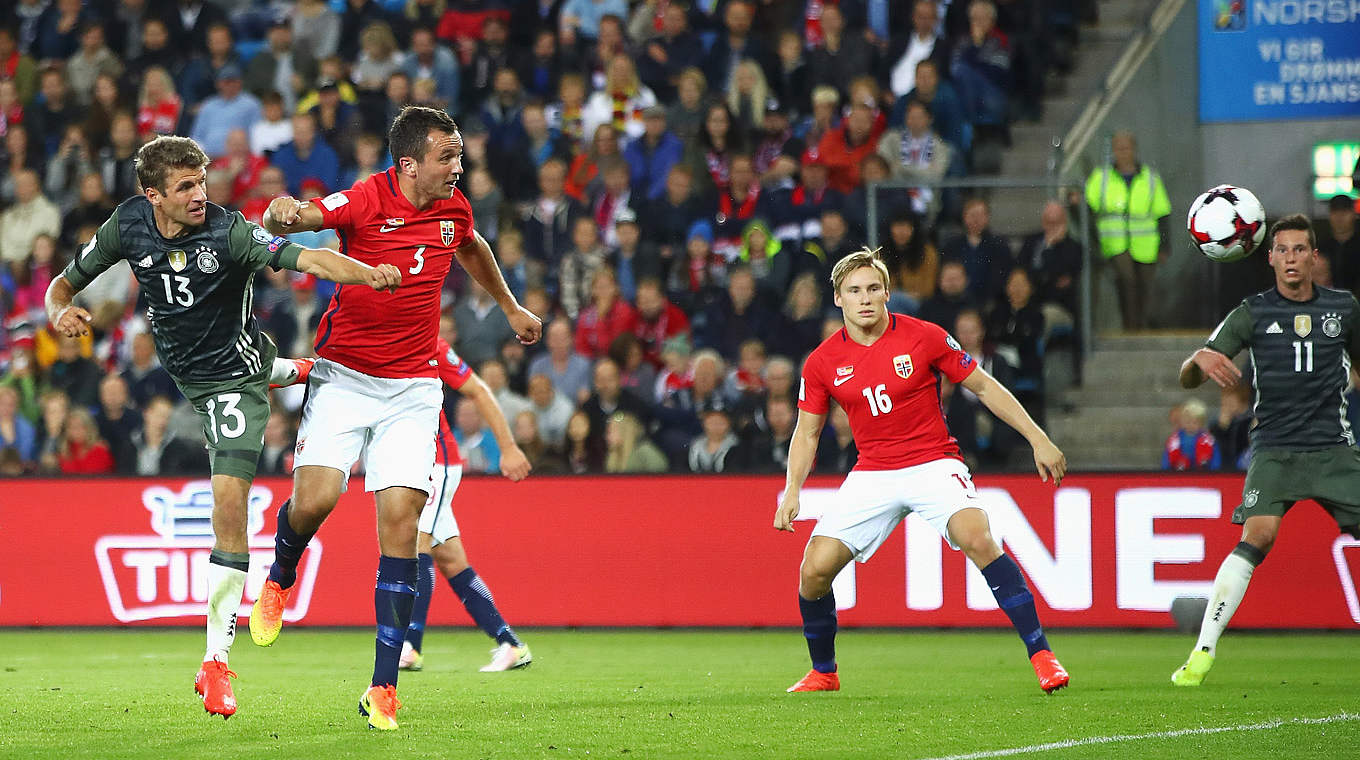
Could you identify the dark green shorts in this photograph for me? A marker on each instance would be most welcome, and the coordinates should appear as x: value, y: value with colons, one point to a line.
x: 1279, y: 478
x: 234, y: 413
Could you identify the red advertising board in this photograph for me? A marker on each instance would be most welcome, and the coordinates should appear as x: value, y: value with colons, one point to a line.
x: 1102, y: 550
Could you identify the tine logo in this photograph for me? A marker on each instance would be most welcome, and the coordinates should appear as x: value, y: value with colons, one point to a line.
x: 165, y: 575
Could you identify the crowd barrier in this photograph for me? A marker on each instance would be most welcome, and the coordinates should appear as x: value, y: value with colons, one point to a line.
x: 1101, y: 550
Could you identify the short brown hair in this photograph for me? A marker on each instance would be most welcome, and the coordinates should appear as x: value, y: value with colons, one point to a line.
x: 409, y: 130
x: 858, y: 260
x: 155, y: 159
x: 1294, y: 222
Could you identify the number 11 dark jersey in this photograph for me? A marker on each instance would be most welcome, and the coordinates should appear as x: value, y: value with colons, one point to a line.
x: 1301, y: 355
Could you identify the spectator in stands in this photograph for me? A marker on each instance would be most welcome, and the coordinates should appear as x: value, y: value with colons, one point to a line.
x: 579, y: 266
x: 31, y: 215
x: 949, y: 118
x: 576, y: 451
x: 156, y: 50
x: 145, y: 377
x: 748, y: 97
x: 834, y: 243
x: 194, y: 18
x: 985, y: 255
x: 158, y: 105
x: 717, y: 449
x: 58, y: 32
x: 709, y: 157
x: 476, y: 444
x: 675, y: 48
x: 669, y: 217
x: 307, y: 157
x: 769, y: 445
x: 65, y: 168
x: 1339, y: 244
x: 1190, y: 446
x: 580, y: 19
x: 31, y: 279
x: 552, y: 408
x: 1131, y: 207
x: 921, y: 43
x: 117, y: 419
x: 777, y: 150
x: 952, y: 296
x: 843, y: 148
x: 232, y: 108
x: 734, y: 43
x: 75, y: 374
x: 837, y: 452
x: 659, y: 320
x: 11, y: 107
x: 605, y: 318
x: 686, y: 115
x: 543, y: 459
x: 678, y: 408
x: 613, y: 199
x: 736, y: 207
x: 370, y: 157
x: 564, y: 113
x: 1053, y: 260
x: 240, y: 166
x: 16, y: 432
x: 796, y: 214
x: 54, y: 406
x: 790, y: 81
x: 735, y: 315
x: 49, y: 115
x: 430, y: 60
x: 838, y: 57
x: 196, y: 80
x: 980, y: 64
x: 566, y: 369
x: 801, y: 324
x: 651, y: 156
x: 282, y: 67
x: 547, y: 230
x: 917, y: 154
x: 772, y: 266
x: 493, y: 373
x: 633, y: 258
x: 1016, y: 325
x: 481, y: 325
x: 627, y: 448
x: 116, y: 161
x: 1232, y: 426
x: 636, y: 374
x: 542, y: 69
x: 160, y: 450
x: 379, y: 57
x: 991, y: 440
x: 911, y: 258
x: 695, y: 276
x: 339, y: 122
x: 19, y: 66
x: 81, y: 451
x: 93, y: 58
x: 276, y: 458
x: 486, y: 199
x: 316, y: 28
x: 501, y: 113
x: 621, y: 101
x: 107, y: 101
x: 608, y: 398
x: 21, y: 153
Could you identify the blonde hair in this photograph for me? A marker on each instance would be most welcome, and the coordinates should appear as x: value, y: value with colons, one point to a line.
x: 1194, y: 409
x: 760, y: 90
x: 860, y: 259
x: 630, y: 432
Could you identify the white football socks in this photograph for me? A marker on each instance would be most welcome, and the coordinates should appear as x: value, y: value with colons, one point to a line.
x: 1230, y: 585
x: 225, y: 588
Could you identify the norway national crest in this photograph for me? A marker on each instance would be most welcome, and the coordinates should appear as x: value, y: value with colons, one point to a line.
x: 1303, y: 324
x: 446, y: 230
x: 902, y: 365
x: 178, y: 260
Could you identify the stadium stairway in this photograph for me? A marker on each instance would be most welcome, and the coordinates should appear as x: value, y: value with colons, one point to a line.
x: 1016, y: 212
x: 1118, y: 418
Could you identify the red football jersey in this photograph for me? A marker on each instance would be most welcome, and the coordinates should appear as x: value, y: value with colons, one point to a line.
x: 390, y: 334
x: 890, y: 390
x: 454, y: 372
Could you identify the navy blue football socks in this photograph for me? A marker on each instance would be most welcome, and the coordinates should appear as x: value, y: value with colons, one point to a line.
x: 476, y: 597
x: 288, y: 548
x: 393, y: 596
x: 1012, y: 593
x: 415, y: 631
x: 819, y: 628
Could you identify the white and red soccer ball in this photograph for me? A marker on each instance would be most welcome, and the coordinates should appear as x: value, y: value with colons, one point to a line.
x: 1227, y: 223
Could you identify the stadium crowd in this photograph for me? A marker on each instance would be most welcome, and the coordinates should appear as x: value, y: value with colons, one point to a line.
x: 667, y: 184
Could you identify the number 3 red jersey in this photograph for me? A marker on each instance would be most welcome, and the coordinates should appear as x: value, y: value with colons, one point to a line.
x: 890, y: 390
x: 390, y: 334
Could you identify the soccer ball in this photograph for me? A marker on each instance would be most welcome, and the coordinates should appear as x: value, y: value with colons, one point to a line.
x: 1227, y: 223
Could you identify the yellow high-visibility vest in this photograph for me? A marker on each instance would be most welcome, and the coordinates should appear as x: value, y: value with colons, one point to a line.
x: 1127, y: 213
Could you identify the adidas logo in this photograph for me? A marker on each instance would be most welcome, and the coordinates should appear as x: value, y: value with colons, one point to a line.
x: 146, y: 262
x: 1274, y: 329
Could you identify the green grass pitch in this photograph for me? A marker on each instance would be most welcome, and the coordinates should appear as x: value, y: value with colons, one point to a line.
x: 683, y: 694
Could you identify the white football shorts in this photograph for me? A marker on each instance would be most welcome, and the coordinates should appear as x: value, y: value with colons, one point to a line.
x: 437, y: 516
x: 390, y: 422
x: 870, y: 503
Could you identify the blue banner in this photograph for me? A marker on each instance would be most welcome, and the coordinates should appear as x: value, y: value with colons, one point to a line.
x: 1262, y: 60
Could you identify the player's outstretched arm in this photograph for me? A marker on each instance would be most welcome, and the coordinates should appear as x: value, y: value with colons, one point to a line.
x: 476, y: 257
x: 287, y: 215
x: 514, y: 464
x: 1207, y: 363
x: 71, y: 321
x: 1048, y: 458
x: 337, y: 267
x: 802, y: 453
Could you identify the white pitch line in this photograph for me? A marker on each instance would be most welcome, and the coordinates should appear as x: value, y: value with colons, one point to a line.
x: 1338, y: 718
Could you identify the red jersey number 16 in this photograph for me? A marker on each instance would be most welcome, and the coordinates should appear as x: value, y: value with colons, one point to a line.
x: 879, y: 402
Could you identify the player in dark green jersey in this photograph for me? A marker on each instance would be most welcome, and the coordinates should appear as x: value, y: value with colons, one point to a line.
x: 1303, y: 339
x: 195, y: 262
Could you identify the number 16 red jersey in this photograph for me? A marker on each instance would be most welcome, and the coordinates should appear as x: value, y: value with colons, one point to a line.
x: 890, y: 390
x: 390, y: 334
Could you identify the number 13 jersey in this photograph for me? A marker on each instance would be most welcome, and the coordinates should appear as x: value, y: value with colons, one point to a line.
x: 890, y: 390
x: 390, y: 334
